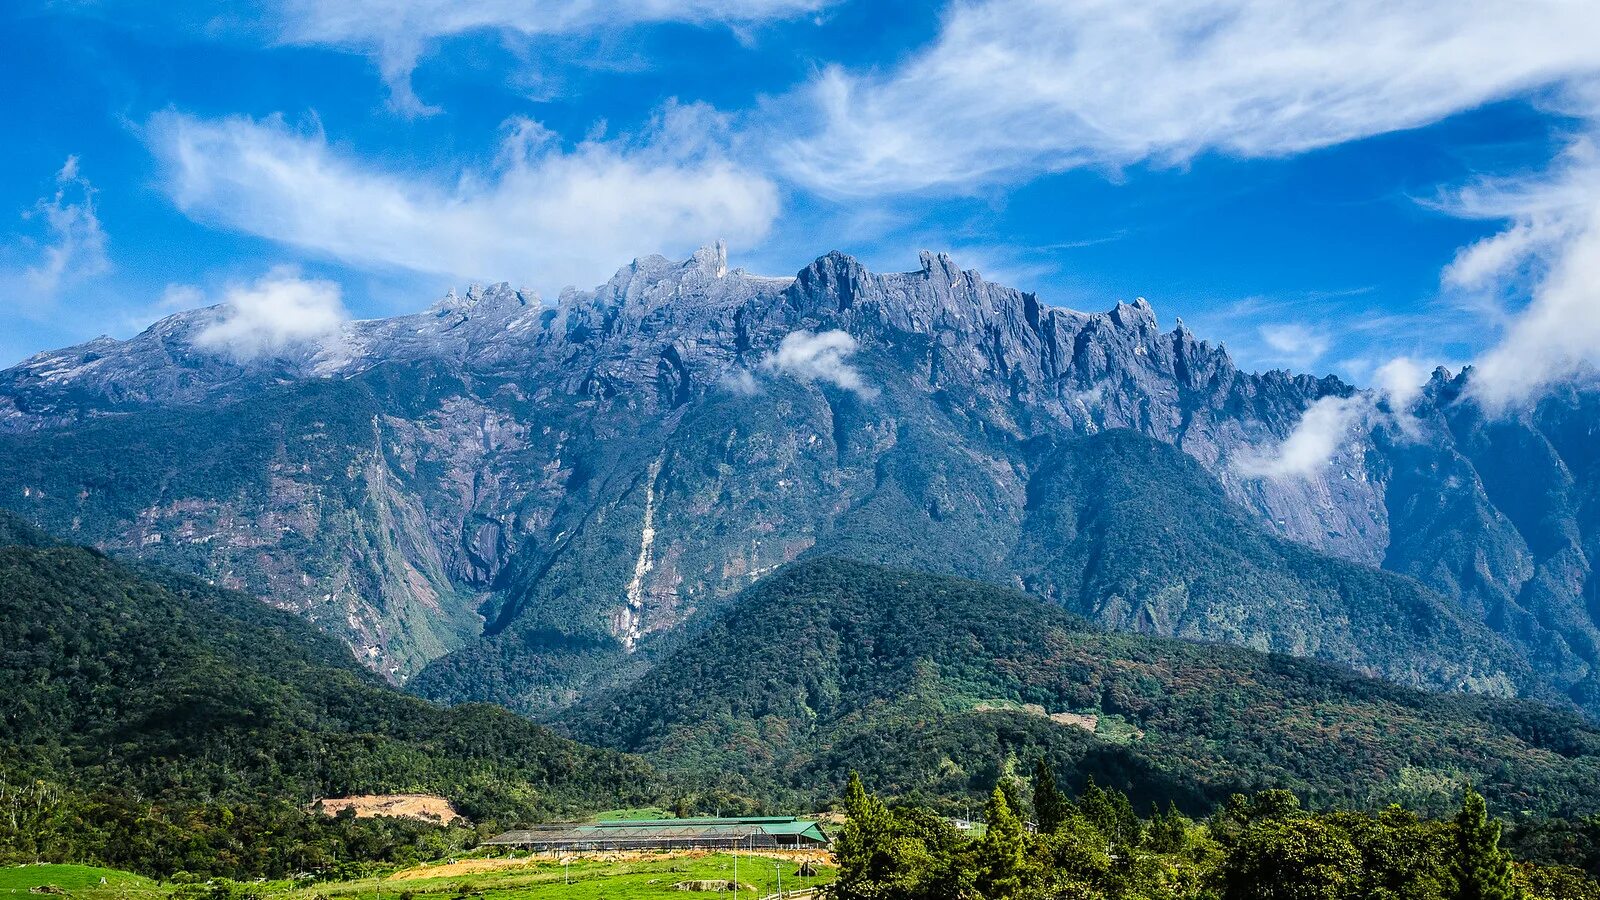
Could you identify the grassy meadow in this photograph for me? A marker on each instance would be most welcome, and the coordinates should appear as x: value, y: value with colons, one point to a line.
x: 606, y: 877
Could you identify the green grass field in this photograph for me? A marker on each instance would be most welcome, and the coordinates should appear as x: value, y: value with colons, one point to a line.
x: 655, y: 876
x: 79, y: 880
x: 650, y: 877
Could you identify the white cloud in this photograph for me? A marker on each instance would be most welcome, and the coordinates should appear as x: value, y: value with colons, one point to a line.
x: 1400, y: 381
x: 279, y: 311
x: 819, y: 357
x: 1295, y: 343
x: 543, y: 215
x: 1538, y: 279
x: 1316, y: 438
x: 397, y: 33
x: 741, y: 382
x: 1014, y: 87
x: 175, y: 297
x: 72, y: 245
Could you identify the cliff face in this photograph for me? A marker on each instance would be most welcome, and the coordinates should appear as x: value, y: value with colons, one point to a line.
x: 587, y: 475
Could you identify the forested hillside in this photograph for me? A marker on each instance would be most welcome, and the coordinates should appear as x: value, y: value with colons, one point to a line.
x: 145, y: 713
x: 937, y: 686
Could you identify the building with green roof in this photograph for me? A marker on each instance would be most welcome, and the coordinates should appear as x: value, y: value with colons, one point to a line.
x: 753, y: 832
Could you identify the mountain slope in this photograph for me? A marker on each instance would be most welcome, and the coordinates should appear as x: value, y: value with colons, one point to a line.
x: 590, y: 474
x: 140, y: 681
x: 1119, y: 528
x: 1132, y: 534
x: 921, y: 683
x: 1503, y: 512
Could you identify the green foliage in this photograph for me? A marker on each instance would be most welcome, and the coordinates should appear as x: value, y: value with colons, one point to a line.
x: 154, y: 722
x: 1050, y: 807
x: 919, y: 682
x: 1262, y: 847
x: 905, y: 853
x: 1167, y: 830
x: 1112, y: 813
x: 1300, y: 858
x: 1479, y: 869
x: 1570, y: 842
x: 1000, y: 850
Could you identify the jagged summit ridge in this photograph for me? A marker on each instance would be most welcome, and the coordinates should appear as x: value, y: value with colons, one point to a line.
x: 697, y: 300
x: 661, y: 332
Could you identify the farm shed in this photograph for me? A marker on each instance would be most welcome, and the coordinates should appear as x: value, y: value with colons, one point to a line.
x: 766, y: 832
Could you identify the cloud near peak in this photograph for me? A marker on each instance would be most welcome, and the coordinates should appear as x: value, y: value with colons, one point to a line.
x: 278, y: 311
x: 822, y: 357
x: 1313, y: 443
x: 541, y: 215
x: 1539, y: 276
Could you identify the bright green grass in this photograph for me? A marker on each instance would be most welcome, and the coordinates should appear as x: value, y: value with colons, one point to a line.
x: 590, y: 880
x: 83, y: 880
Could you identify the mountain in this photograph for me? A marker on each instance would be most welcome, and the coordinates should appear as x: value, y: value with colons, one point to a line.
x: 138, y: 682
x: 500, y: 499
x: 933, y: 685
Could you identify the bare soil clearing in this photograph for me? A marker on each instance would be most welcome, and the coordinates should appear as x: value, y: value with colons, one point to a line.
x: 422, y: 807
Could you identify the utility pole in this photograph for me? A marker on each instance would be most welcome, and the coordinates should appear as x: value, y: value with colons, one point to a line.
x: 777, y: 869
x: 735, y: 868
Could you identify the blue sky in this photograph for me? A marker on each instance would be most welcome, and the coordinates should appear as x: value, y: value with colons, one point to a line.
x: 1328, y: 187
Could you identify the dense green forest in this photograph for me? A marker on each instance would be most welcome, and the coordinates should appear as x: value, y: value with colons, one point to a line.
x: 155, y: 722
x: 1037, y: 843
x: 936, y: 686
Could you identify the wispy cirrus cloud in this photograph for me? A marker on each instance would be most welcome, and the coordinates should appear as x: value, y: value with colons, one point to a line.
x: 1538, y: 279
x: 1295, y: 343
x: 62, y: 245
x: 398, y: 33
x: 542, y: 213
x: 1013, y: 88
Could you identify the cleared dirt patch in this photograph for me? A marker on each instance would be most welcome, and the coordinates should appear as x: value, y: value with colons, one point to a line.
x: 422, y: 807
x: 1087, y: 721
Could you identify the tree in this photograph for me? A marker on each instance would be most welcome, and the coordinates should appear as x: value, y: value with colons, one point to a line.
x: 1291, y: 859
x: 1167, y: 831
x: 1479, y: 869
x: 1000, y: 853
x: 1110, y: 811
x: 1011, y: 787
x: 1049, y: 805
x: 862, y: 848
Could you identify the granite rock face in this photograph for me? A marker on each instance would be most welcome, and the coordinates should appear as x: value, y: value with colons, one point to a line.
x: 526, y: 496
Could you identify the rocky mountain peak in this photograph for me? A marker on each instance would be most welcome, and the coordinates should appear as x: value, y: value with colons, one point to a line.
x: 499, y: 297
x: 713, y: 259
x: 1138, y: 314
x: 939, y: 264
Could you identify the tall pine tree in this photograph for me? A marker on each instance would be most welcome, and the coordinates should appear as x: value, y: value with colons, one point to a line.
x: 1049, y: 805
x: 1479, y: 869
x: 862, y: 847
x: 1000, y: 852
